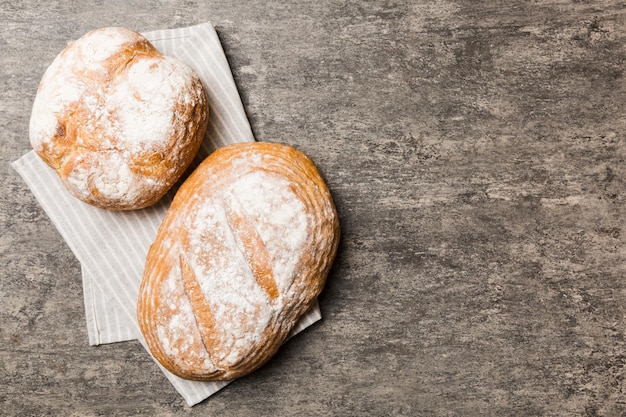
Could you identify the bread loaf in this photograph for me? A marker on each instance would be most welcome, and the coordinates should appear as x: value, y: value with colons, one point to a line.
x: 118, y: 121
x: 241, y: 255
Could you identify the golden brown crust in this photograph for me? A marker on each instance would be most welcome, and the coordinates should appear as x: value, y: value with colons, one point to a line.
x: 241, y: 255
x: 118, y: 121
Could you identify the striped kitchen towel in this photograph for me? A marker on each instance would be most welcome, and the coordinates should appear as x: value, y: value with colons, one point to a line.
x: 112, y: 246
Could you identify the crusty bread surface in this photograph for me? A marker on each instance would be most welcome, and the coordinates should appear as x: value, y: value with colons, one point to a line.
x: 241, y: 255
x: 118, y: 121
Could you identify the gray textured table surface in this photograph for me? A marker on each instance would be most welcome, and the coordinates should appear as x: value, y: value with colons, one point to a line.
x: 476, y: 152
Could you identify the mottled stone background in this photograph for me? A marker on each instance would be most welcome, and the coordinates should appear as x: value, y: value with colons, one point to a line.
x: 476, y: 152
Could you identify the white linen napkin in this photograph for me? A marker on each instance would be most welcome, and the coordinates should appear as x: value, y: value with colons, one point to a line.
x: 112, y: 246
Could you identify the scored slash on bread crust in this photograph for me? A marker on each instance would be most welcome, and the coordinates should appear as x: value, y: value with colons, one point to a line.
x: 200, y: 308
x: 252, y: 247
x: 241, y: 255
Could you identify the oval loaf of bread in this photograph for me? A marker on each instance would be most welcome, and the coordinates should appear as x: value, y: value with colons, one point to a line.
x: 118, y: 121
x: 241, y: 255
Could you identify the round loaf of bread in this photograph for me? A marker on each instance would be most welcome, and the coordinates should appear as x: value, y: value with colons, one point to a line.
x: 241, y: 255
x: 118, y: 121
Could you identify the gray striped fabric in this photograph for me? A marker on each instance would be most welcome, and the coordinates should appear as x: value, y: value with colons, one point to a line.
x: 112, y: 246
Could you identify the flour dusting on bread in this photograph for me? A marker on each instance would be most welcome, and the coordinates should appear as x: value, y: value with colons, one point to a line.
x: 111, y: 102
x: 241, y: 255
